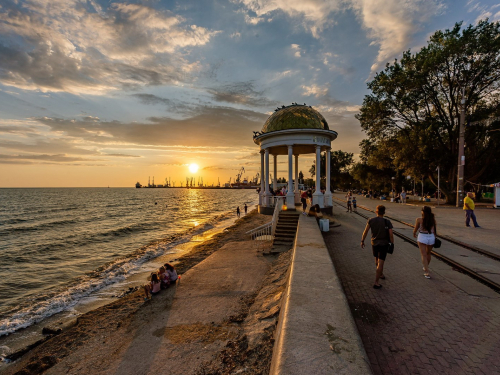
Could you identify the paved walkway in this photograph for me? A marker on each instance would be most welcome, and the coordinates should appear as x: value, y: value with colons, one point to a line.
x: 447, y: 325
x: 451, y: 221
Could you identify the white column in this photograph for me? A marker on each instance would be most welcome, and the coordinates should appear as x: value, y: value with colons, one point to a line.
x: 317, y: 195
x: 296, y: 189
x: 275, y: 179
x: 290, y: 196
x: 267, y: 194
x: 328, y: 191
x: 262, y: 174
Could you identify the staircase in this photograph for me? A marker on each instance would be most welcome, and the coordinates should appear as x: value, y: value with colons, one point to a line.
x: 286, y: 228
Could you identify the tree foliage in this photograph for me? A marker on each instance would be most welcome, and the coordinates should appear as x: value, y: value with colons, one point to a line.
x: 340, y: 165
x: 411, y: 117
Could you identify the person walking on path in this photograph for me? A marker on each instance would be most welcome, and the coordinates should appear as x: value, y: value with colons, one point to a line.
x: 303, y: 200
x: 246, y: 208
x: 354, y: 204
x: 382, y: 237
x: 469, y: 211
x: 403, y: 197
x: 349, y: 202
x: 238, y: 211
x: 426, y: 228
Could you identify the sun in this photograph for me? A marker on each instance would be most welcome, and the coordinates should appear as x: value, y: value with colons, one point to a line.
x: 193, y: 168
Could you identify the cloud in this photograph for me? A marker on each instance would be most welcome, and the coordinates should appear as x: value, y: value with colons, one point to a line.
x: 390, y: 23
x: 208, y: 126
x: 30, y: 159
x: 152, y: 99
x: 297, y: 50
x: 315, y: 90
x: 314, y: 14
x: 67, y: 45
x: 241, y: 93
x: 123, y: 155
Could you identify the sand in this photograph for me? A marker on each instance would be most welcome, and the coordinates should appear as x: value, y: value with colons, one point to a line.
x: 219, y: 319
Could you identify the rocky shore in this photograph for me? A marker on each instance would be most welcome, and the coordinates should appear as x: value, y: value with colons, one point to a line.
x: 219, y: 319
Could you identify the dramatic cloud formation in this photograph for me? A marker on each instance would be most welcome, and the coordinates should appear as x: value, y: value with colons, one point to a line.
x: 119, y: 90
x: 71, y: 46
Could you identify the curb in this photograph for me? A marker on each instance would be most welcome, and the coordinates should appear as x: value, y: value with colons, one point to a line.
x: 316, y: 333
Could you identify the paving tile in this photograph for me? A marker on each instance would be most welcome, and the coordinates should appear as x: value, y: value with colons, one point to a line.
x: 413, y: 325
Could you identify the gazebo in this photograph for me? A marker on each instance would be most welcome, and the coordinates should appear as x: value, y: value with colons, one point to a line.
x: 294, y: 130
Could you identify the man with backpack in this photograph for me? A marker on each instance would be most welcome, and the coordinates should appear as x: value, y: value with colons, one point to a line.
x: 382, y: 241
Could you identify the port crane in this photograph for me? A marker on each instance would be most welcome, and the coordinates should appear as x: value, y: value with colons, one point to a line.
x: 239, y: 175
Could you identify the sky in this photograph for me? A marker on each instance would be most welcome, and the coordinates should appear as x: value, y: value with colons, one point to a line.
x: 108, y: 93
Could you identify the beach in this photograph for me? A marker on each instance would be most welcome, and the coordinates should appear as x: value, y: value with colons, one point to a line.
x: 219, y: 317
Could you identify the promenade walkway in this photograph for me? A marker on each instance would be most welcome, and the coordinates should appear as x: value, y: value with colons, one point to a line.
x: 449, y: 324
x: 451, y: 221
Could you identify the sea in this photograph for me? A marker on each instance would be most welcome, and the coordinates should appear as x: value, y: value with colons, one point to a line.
x: 60, y: 246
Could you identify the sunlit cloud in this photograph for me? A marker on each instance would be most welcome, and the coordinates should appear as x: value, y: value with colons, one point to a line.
x: 72, y: 47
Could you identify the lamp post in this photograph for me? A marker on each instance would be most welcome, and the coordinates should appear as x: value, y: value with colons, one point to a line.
x: 461, y: 154
x: 439, y: 190
x: 393, y: 178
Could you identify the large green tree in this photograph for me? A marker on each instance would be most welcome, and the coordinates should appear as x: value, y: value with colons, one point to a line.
x: 411, y: 117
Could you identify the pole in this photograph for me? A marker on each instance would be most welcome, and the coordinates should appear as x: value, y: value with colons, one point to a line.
x: 422, y: 188
x: 439, y: 190
x: 461, y: 154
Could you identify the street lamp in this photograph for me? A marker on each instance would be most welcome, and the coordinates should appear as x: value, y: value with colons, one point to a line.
x: 393, y: 178
x: 461, y: 153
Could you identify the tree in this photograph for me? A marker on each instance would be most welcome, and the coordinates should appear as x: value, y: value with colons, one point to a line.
x: 340, y: 164
x: 412, y: 115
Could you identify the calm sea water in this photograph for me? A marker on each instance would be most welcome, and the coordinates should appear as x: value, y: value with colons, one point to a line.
x: 60, y: 245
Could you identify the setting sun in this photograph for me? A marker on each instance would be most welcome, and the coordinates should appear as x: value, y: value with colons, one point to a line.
x: 193, y: 168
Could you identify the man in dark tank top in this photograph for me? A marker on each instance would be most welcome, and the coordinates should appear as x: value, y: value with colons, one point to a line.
x: 382, y: 237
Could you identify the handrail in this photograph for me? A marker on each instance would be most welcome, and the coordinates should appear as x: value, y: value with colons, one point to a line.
x: 268, y: 229
x: 276, y: 214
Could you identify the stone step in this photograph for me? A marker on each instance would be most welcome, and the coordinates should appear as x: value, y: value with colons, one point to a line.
x: 285, y: 242
x: 284, y: 236
x: 286, y: 231
x: 288, y: 219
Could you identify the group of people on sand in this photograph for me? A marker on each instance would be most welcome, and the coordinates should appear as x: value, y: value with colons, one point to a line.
x: 382, y: 239
x: 161, y: 279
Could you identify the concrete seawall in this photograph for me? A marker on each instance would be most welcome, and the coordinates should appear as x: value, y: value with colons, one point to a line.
x: 316, y: 332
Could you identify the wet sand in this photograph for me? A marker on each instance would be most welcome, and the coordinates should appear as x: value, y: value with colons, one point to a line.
x: 195, y: 327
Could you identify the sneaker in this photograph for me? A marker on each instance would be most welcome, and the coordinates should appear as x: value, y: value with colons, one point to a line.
x: 477, y: 226
x: 427, y: 276
x: 377, y: 286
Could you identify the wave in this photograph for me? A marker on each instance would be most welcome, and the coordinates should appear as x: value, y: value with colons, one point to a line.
x: 37, y: 227
x: 35, y: 310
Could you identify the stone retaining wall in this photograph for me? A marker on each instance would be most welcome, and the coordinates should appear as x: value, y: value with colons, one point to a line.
x: 316, y: 332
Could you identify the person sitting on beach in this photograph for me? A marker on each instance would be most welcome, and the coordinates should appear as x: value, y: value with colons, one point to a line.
x: 153, y: 287
x: 164, y: 277
x: 171, y: 272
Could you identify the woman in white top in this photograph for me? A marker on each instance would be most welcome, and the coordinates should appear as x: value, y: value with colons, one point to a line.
x: 425, y: 226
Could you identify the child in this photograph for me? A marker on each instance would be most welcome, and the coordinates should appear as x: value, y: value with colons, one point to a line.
x: 153, y: 287
x: 354, y: 204
x: 171, y: 272
x: 163, y: 276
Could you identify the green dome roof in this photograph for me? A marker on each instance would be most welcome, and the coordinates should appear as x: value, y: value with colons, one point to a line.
x: 295, y: 116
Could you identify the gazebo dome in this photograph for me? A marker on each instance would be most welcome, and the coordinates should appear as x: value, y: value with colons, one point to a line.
x: 295, y: 116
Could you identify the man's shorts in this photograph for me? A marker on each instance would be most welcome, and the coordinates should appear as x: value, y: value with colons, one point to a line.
x: 380, y: 251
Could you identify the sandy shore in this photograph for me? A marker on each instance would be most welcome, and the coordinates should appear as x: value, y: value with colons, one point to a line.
x: 219, y: 319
